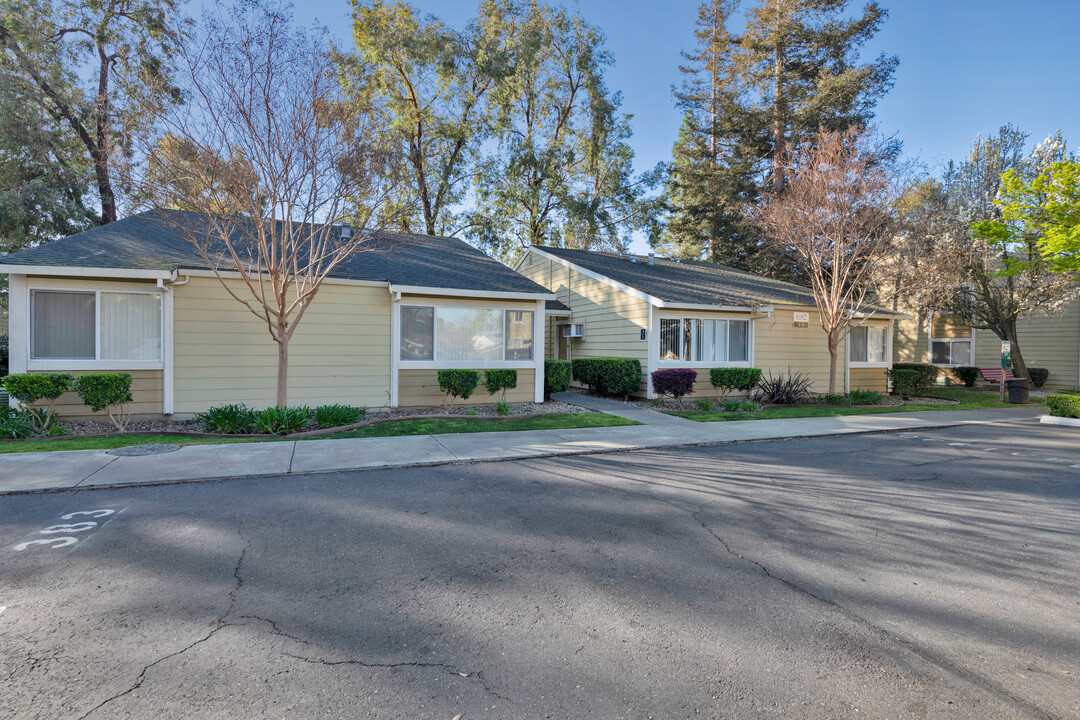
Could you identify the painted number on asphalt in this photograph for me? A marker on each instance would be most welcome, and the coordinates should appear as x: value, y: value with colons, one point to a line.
x: 54, y: 543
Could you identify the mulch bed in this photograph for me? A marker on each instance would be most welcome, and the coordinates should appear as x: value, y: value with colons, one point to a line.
x: 191, y: 428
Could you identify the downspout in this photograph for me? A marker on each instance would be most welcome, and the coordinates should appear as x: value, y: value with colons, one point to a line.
x: 168, y: 380
x: 395, y: 344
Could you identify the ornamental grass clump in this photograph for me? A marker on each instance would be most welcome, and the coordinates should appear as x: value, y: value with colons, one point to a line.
x: 281, y: 420
x: 331, y: 416
x: 232, y: 419
x: 865, y: 397
x: 790, y: 389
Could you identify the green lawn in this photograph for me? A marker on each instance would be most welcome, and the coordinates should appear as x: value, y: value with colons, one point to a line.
x: 418, y: 426
x: 968, y: 400
x: 426, y: 426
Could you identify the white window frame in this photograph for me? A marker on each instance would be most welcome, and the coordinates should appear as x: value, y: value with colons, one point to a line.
x: 951, y: 341
x: 887, y: 362
x: 97, y: 363
x: 701, y: 364
x: 437, y: 364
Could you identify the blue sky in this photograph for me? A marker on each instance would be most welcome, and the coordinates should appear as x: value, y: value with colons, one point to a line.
x: 966, y: 66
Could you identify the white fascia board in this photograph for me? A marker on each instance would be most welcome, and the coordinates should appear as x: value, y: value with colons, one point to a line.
x: 70, y: 271
x: 717, y: 308
x: 600, y: 278
x: 235, y: 275
x: 456, y: 292
x: 557, y: 313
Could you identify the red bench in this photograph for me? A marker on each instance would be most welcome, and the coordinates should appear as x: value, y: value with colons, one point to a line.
x: 993, y: 374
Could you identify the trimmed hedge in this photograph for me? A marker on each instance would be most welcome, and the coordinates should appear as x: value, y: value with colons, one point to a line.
x: 725, y: 379
x: 458, y: 384
x: 106, y: 391
x: 608, y: 375
x: 1066, y: 406
x: 556, y: 376
x: 499, y: 381
x: 966, y: 375
x: 916, y: 378
x: 1038, y: 376
x: 29, y: 388
x: 675, y: 382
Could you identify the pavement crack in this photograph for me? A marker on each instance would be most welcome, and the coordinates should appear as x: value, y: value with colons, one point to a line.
x: 452, y: 669
x: 222, y: 621
x: 907, y: 644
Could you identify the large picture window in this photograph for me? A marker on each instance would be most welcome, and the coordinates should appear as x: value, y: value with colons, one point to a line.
x: 95, y: 325
x: 466, y: 335
x: 951, y: 352
x: 867, y: 344
x: 705, y: 341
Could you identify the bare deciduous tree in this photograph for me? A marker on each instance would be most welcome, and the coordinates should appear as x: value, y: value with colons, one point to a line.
x: 834, y: 216
x: 263, y: 162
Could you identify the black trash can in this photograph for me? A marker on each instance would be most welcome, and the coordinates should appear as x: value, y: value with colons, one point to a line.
x: 1018, y: 390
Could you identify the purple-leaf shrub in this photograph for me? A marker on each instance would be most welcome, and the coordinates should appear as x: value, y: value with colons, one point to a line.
x: 675, y: 382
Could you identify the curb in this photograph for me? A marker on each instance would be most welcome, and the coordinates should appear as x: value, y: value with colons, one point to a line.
x: 438, y: 463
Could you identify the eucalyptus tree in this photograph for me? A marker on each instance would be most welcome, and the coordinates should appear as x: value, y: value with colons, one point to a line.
x: 94, y: 65
x: 560, y: 171
x: 428, y: 82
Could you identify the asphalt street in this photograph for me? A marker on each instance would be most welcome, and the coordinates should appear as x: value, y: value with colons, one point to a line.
x: 901, y: 575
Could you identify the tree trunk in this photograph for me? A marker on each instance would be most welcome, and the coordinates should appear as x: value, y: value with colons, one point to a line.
x: 282, y: 372
x: 778, y: 124
x: 1019, y: 366
x: 834, y: 344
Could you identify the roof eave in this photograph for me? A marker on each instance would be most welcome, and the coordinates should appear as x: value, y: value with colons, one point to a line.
x: 73, y: 271
x: 459, y: 292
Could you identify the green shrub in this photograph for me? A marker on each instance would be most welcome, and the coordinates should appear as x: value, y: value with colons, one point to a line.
x: 726, y: 379
x: 499, y: 381
x: 1038, y: 376
x: 657, y: 402
x: 503, y: 408
x: 675, y: 382
x: 457, y: 384
x: 739, y: 406
x: 835, y: 399
x: 704, y: 405
x: 556, y: 376
x: 905, y: 382
x: 15, y: 423
x: 608, y: 375
x: 233, y: 419
x: 925, y: 376
x: 281, y: 420
x: 30, y: 388
x: 331, y: 416
x: 966, y: 375
x: 1067, y: 406
x: 106, y: 391
x: 865, y: 397
x: 790, y: 389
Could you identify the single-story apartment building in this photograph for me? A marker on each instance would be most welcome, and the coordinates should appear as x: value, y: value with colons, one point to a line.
x: 136, y: 296
x: 678, y: 313
x: 1046, y: 341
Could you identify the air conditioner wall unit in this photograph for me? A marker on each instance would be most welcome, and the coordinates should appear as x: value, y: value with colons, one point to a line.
x: 573, y: 331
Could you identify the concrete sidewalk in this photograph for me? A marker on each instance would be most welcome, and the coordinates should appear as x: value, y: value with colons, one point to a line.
x: 29, y: 472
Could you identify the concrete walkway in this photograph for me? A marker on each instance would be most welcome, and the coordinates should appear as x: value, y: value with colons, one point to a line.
x: 30, y: 472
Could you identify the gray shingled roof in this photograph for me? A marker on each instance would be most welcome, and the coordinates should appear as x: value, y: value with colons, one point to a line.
x: 148, y: 241
x: 689, y: 281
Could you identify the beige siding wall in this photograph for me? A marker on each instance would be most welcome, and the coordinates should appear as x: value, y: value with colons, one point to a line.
x: 1046, y: 342
x: 420, y: 388
x: 869, y: 379
x: 613, y: 319
x: 780, y: 346
x: 146, y: 386
x: 223, y: 354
